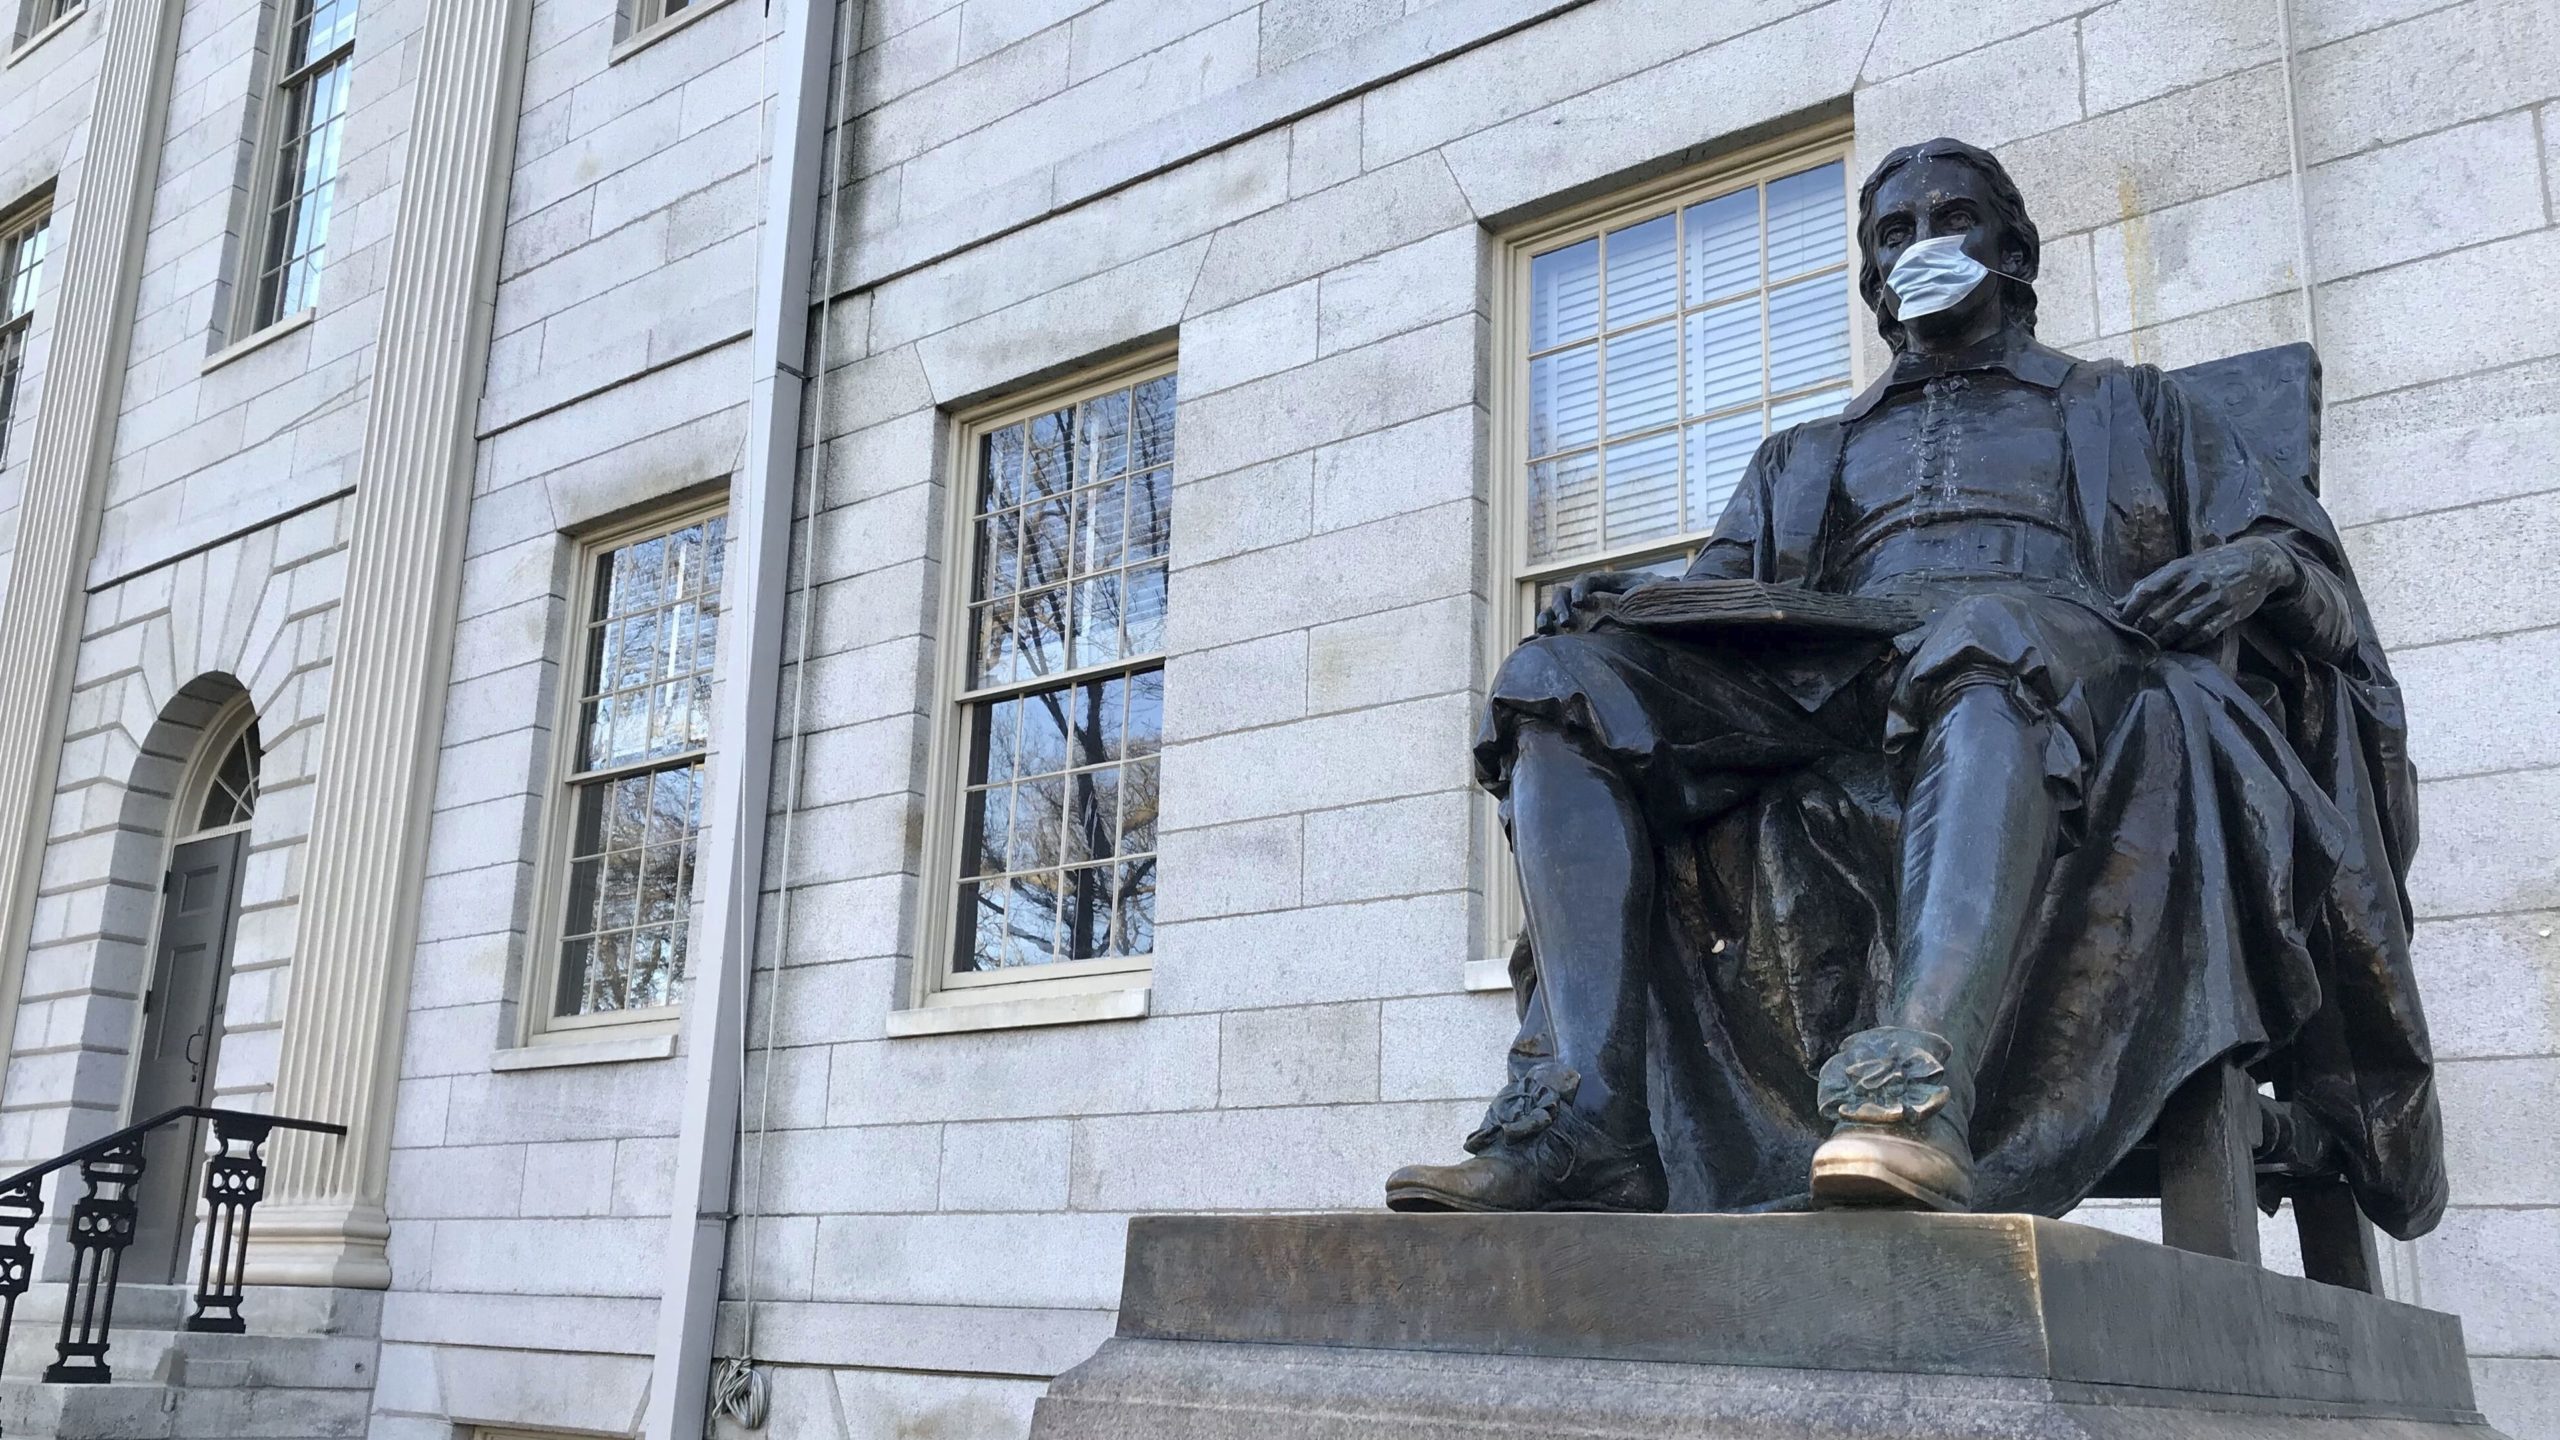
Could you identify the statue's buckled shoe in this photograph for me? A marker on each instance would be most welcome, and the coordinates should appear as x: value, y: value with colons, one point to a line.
x: 1535, y: 1151
x: 1508, y: 1180
x: 1900, y: 1117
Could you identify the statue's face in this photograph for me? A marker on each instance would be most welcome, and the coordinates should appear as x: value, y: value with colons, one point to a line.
x: 1934, y: 197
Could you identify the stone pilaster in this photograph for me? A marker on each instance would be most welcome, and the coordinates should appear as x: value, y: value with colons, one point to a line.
x: 323, y: 1222
x: 103, y: 213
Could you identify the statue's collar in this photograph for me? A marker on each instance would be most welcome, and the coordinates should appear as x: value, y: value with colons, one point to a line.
x: 2016, y: 355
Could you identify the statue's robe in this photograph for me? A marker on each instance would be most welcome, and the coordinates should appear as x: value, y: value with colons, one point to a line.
x: 2231, y: 883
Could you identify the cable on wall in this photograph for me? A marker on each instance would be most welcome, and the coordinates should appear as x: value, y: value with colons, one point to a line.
x: 2301, y: 201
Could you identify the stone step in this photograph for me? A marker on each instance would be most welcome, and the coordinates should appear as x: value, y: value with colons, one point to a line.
x: 31, y: 1410
x: 148, y: 1411
x: 268, y: 1413
x: 292, y: 1362
x: 305, y: 1372
x: 137, y: 1355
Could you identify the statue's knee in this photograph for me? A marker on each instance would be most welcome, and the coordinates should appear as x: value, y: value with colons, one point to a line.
x: 1980, y: 691
x: 1975, y: 622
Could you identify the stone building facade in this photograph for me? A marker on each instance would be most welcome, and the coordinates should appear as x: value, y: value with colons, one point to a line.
x: 786, y: 874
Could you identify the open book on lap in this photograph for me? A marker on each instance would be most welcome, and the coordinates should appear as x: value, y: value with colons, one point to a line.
x: 1750, y: 605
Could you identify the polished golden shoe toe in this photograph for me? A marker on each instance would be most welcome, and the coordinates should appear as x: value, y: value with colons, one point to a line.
x: 1874, y: 1165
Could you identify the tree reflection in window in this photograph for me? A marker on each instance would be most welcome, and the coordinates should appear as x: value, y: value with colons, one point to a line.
x: 1066, y: 711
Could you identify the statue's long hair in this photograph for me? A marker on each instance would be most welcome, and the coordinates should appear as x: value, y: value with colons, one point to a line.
x: 2008, y: 207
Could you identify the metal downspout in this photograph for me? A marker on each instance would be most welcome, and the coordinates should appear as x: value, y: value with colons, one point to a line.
x: 798, y: 53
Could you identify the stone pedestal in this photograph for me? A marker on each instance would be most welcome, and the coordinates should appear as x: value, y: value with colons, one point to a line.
x: 1716, y: 1327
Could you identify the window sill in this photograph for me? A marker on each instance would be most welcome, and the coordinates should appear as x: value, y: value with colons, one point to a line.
x: 557, y: 1051
x: 954, y: 1017
x: 639, y: 40
x: 298, y: 320
x: 1493, y: 974
x: 28, y: 46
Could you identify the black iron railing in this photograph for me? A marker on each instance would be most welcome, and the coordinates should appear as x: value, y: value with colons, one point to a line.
x: 103, y: 1222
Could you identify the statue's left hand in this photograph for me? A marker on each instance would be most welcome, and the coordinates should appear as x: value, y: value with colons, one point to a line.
x: 2192, y: 600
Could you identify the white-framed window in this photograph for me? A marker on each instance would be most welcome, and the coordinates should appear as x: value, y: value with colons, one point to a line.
x: 635, y: 739
x: 294, y: 181
x: 645, y: 14
x: 24, y: 239
x: 1041, y: 832
x: 37, y: 16
x: 1649, y: 342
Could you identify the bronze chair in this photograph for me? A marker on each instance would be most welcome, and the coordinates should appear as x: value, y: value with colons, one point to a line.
x: 2221, y: 1150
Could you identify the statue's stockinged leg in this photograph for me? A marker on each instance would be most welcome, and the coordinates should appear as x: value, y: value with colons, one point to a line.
x: 1574, y: 1132
x: 1978, y: 842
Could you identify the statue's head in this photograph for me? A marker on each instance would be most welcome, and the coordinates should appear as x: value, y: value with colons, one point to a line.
x: 1942, y: 187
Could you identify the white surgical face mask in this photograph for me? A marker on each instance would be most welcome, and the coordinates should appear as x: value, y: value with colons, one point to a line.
x: 1934, y: 275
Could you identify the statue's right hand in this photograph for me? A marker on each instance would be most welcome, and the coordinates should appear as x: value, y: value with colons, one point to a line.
x: 1558, y: 615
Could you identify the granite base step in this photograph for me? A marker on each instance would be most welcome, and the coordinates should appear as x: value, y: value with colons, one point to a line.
x: 1875, y: 1326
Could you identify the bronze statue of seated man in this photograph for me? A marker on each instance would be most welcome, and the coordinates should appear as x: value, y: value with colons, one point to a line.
x: 1940, y: 918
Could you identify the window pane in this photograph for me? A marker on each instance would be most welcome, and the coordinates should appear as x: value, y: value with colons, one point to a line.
x: 1103, y: 425
x: 1139, y: 787
x: 1724, y: 356
x: 982, y: 926
x: 1724, y: 246
x: 1644, y: 489
x: 1096, y: 720
x: 1039, y: 819
x: 997, y: 725
x: 1031, y: 915
x: 1144, y: 733
x: 1150, y: 515
x: 1046, y: 535
x: 1808, y: 407
x: 1644, y: 271
x: 1041, y: 744
x: 1101, y: 526
x: 1564, y: 295
x: 1133, y: 927
x: 993, y: 625
x: 1000, y: 461
x: 1808, y: 221
x: 1142, y: 600
x: 1097, y: 621
x: 999, y: 553
x: 1719, y: 451
x: 1040, y: 634
x: 1644, y: 378
x: 1085, y: 908
x: 1564, y: 400
x: 1564, y: 506
x: 1093, y: 815
x: 988, y: 828
x: 1048, y: 467
x: 1809, y: 333
x: 1151, y: 426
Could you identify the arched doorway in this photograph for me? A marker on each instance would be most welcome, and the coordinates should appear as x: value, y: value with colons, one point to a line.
x: 190, y: 970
